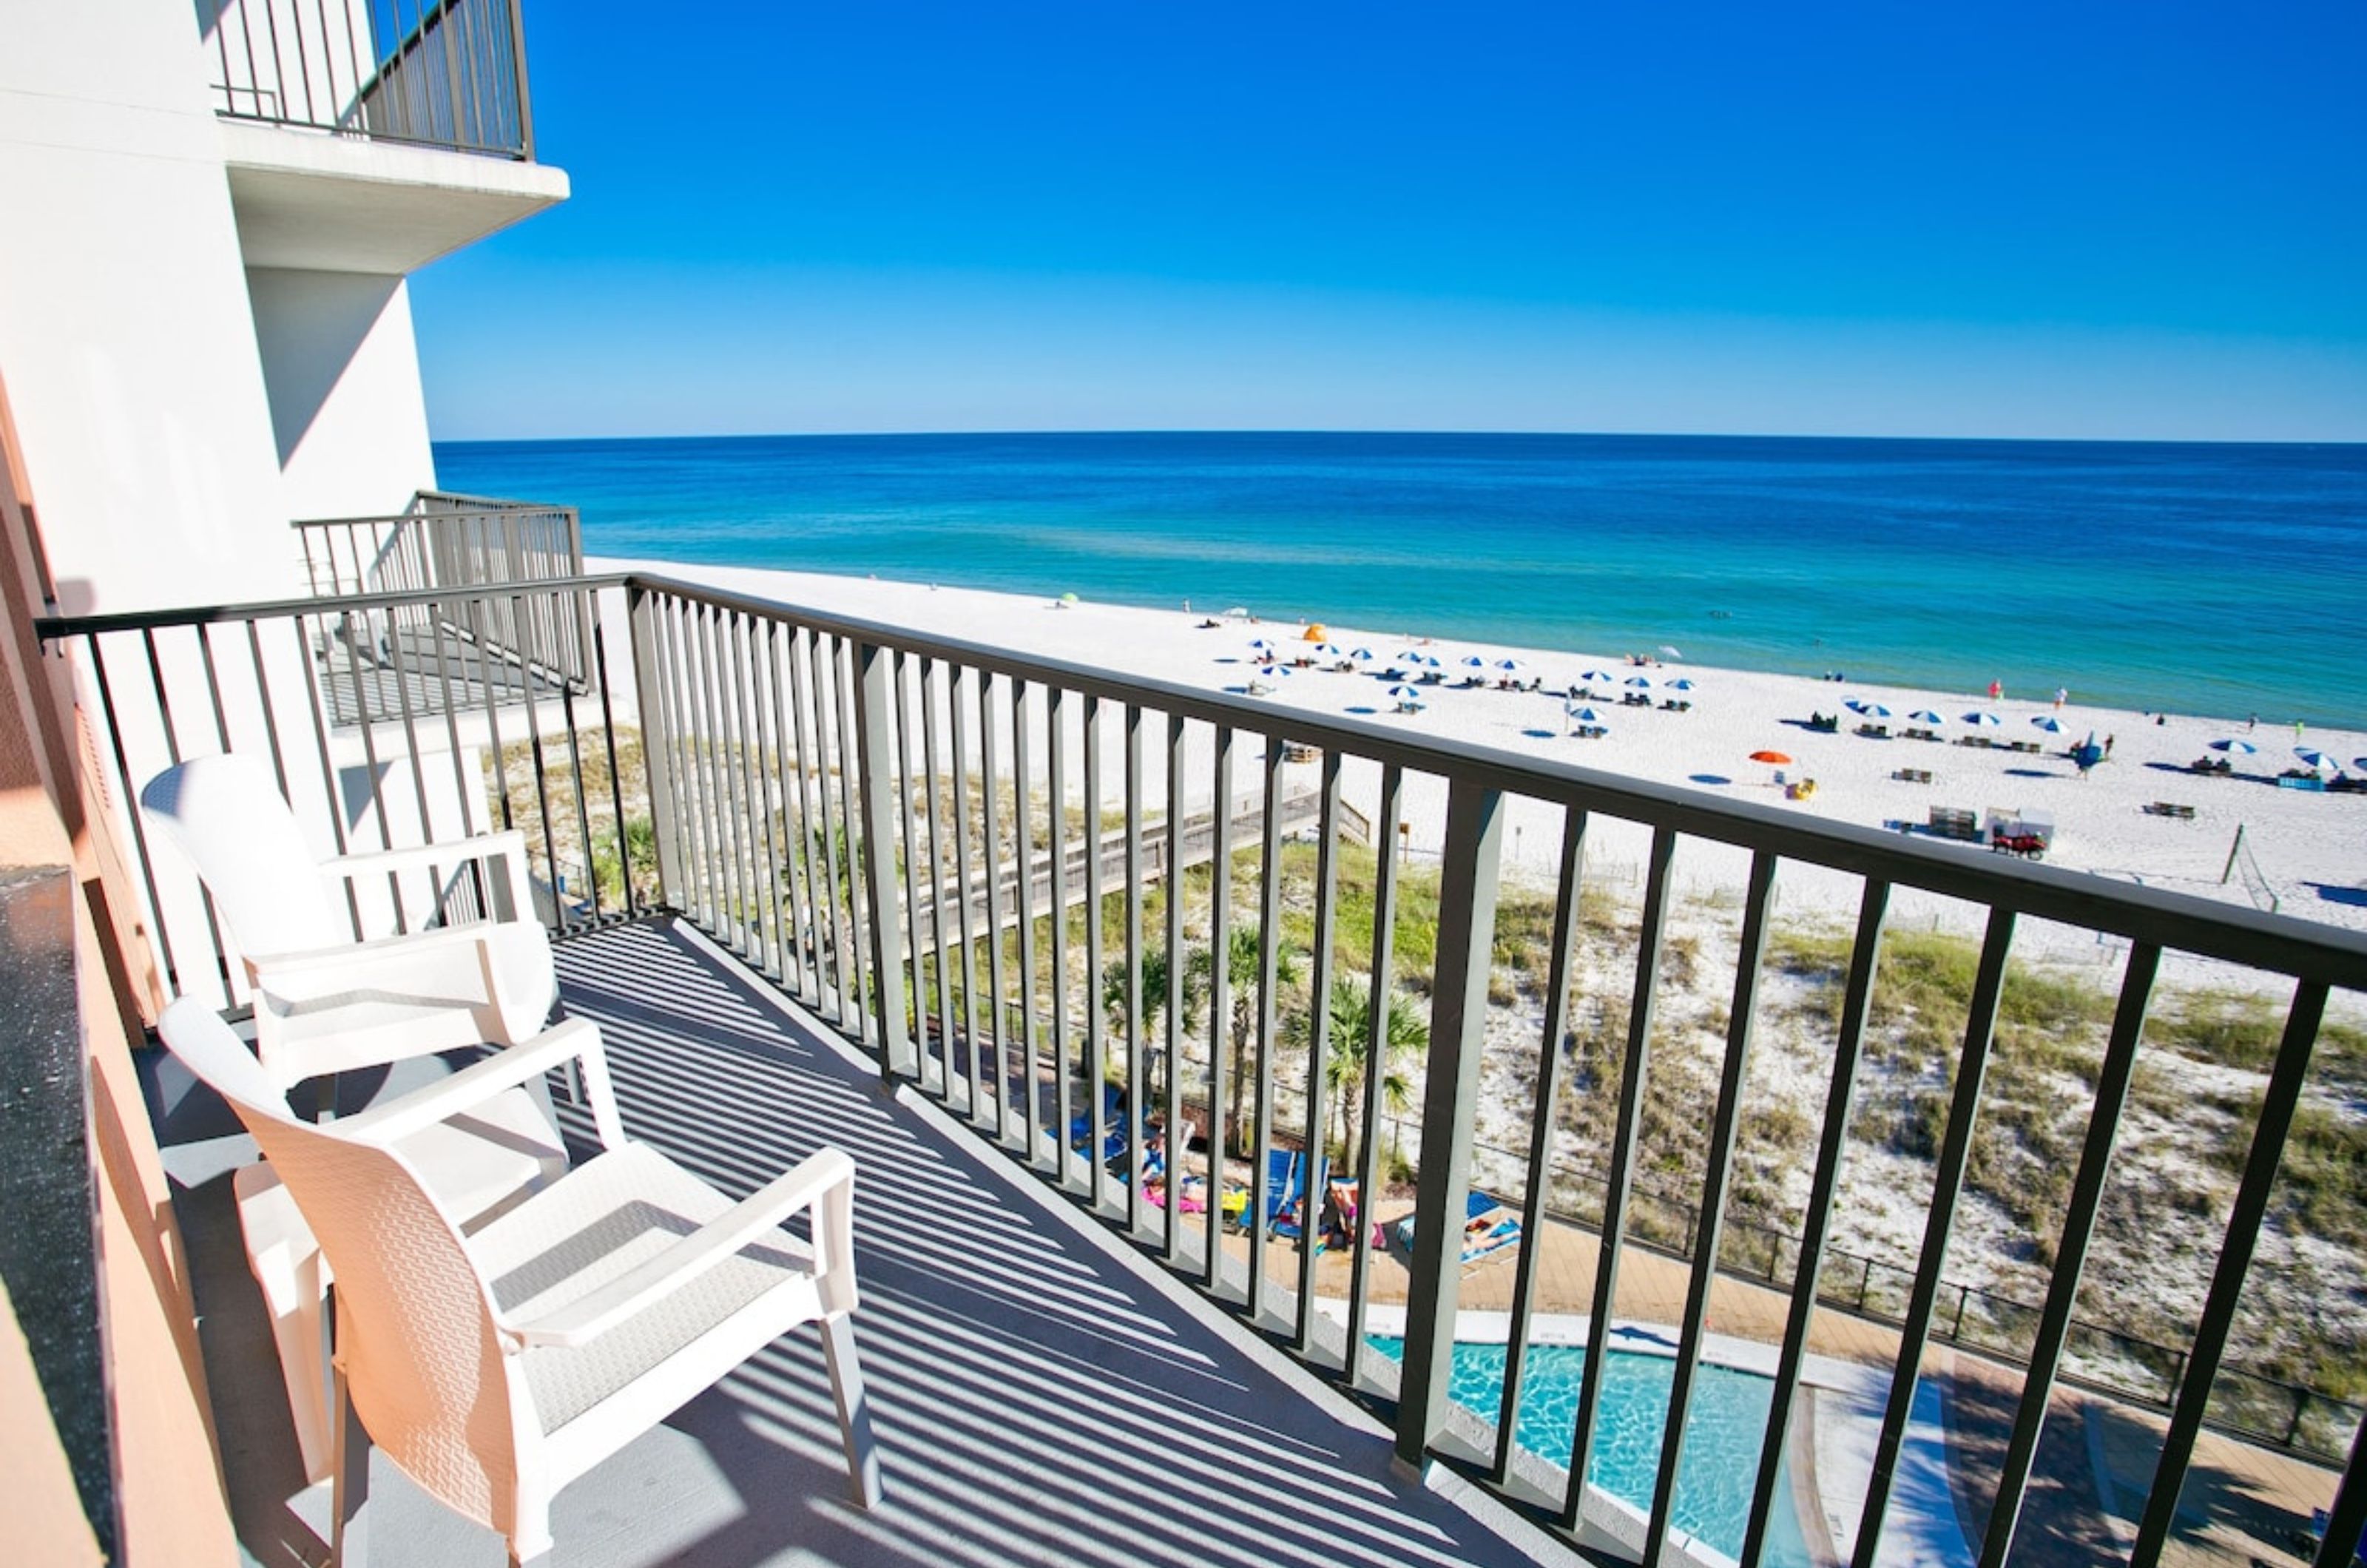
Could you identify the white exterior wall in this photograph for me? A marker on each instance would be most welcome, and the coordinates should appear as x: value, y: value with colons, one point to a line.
x: 125, y: 337
x: 340, y: 369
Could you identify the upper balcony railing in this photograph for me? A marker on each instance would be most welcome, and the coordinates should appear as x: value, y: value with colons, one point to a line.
x: 455, y: 542
x: 447, y: 74
x: 1009, y: 878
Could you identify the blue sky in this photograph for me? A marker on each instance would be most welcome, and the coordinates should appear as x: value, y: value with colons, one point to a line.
x: 2111, y: 220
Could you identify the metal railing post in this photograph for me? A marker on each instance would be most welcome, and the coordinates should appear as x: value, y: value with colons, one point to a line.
x: 657, y: 744
x: 517, y: 69
x: 1458, y: 1023
x: 876, y: 784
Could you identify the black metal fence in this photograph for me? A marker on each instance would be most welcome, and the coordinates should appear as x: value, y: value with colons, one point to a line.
x: 447, y: 74
x: 809, y: 783
x: 2129, y: 1367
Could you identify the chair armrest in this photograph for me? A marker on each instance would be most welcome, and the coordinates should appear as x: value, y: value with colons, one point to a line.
x: 449, y: 852
x: 379, y: 953
x: 824, y: 1176
x: 578, y: 1039
x: 508, y: 848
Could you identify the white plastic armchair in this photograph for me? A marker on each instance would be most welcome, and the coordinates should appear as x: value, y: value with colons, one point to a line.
x: 324, y: 1001
x: 495, y: 1368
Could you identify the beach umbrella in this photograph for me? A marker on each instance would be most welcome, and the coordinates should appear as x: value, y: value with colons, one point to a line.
x: 1315, y: 633
x: 1473, y: 661
x: 1668, y: 652
x: 2049, y: 723
x: 1982, y: 720
x: 1508, y: 665
x: 2317, y: 761
x: 2360, y: 763
x: 1639, y: 681
x: 1262, y: 646
x: 1581, y: 711
x: 1681, y: 685
x: 2239, y: 748
x: 1068, y: 598
x: 1925, y: 715
x: 1773, y: 759
x: 1327, y: 650
x: 1404, y: 694
x: 1591, y: 676
x: 1865, y: 709
x: 1363, y: 655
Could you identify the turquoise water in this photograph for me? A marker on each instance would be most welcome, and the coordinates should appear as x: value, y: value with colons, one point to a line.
x: 2223, y: 580
x: 1727, y: 1424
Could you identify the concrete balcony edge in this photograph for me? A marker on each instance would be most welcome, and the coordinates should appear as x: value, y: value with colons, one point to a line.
x: 327, y: 202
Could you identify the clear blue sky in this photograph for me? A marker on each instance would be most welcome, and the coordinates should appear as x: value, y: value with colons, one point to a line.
x: 2131, y: 221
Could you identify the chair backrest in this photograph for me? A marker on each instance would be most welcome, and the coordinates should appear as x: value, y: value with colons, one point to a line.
x: 415, y: 1332
x: 226, y: 814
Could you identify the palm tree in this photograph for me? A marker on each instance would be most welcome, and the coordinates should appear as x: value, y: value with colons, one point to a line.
x: 1158, y: 980
x: 1244, y: 954
x: 1349, y: 1008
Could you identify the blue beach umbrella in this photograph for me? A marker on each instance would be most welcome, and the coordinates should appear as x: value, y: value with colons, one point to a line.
x: 1404, y: 694
x: 1581, y: 712
x: 1327, y: 650
x: 1681, y: 685
x: 1363, y: 655
x: 1591, y: 676
x: 1982, y: 720
x: 1639, y: 681
x: 2049, y: 723
x: 1508, y: 665
x: 1868, y: 710
x: 1925, y: 715
x: 2317, y: 761
x: 1262, y: 646
x: 2239, y: 747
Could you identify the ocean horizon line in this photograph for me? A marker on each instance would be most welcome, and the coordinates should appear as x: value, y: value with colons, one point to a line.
x: 1145, y: 431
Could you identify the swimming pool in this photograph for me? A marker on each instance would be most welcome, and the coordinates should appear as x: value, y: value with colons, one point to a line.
x: 1728, y: 1422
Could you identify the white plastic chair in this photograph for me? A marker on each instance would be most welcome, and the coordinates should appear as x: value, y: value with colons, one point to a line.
x: 324, y: 1001
x: 479, y: 1165
x: 495, y: 1368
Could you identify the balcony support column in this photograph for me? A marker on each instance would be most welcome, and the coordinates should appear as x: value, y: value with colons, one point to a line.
x: 878, y: 784
x: 1458, y: 1022
x: 657, y: 741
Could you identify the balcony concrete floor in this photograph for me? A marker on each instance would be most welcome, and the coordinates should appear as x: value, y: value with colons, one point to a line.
x: 1042, y: 1393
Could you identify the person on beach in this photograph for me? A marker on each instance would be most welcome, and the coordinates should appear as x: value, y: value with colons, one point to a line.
x: 2062, y: 695
x: 2108, y: 748
x: 1997, y: 691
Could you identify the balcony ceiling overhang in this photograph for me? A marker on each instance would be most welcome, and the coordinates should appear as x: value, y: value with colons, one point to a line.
x: 331, y: 203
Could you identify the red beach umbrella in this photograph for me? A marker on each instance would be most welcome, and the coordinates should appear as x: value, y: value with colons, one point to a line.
x: 1773, y: 759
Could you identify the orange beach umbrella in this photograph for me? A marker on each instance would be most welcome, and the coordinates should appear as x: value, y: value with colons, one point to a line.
x: 1773, y: 759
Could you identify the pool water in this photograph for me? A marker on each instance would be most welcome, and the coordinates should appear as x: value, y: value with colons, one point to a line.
x: 1728, y: 1422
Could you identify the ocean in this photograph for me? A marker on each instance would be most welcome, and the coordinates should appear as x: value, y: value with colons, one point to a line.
x: 2203, y: 578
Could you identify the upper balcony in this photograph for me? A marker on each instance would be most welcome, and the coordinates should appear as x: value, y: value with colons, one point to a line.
x: 373, y: 135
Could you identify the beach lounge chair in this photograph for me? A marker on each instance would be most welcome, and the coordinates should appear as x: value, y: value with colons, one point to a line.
x: 1489, y: 1226
x: 326, y: 1002
x: 495, y: 1368
x: 1285, y: 1174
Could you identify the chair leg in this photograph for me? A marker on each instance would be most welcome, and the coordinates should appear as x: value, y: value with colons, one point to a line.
x: 854, y: 1410
x: 349, y: 1466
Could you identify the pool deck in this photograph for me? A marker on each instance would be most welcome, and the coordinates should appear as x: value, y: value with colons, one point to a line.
x: 2243, y: 1504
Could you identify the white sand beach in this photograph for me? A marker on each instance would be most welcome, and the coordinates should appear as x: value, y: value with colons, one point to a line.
x: 2308, y: 847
